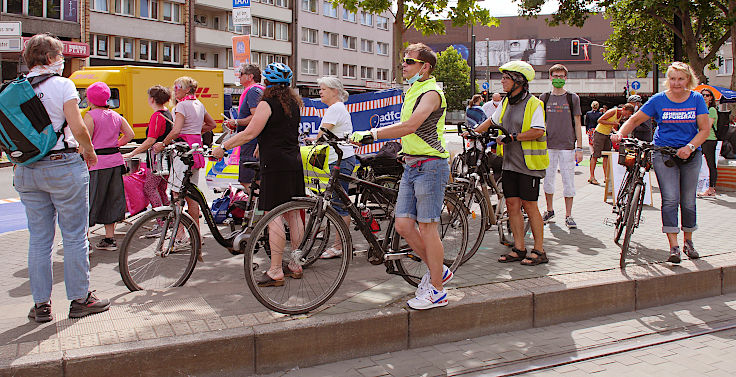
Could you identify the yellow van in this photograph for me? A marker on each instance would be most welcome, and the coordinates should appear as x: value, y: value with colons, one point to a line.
x: 129, y: 85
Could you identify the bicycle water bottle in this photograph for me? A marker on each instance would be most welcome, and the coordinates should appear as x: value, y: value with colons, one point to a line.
x: 370, y: 220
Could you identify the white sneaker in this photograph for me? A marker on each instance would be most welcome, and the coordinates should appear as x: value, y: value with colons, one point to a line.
x: 447, y: 275
x: 431, y: 298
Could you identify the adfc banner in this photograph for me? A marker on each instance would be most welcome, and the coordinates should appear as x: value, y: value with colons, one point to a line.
x: 367, y: 110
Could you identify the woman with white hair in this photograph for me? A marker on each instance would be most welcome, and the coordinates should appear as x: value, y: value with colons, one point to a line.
x: 337, y: 120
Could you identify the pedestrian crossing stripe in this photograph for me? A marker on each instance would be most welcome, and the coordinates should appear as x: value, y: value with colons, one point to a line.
x: 10, y: 200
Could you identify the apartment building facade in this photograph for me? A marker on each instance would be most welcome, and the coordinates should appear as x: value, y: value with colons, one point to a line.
x: 332, y: 41
x: 61, y: 18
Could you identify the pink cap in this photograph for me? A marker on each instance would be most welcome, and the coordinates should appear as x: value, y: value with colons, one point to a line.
x: 98, y: 94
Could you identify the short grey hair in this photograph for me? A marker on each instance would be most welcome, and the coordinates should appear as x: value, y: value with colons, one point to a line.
x: 334, y: 83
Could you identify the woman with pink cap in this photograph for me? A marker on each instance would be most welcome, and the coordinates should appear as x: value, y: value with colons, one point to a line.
x: 106, y: 191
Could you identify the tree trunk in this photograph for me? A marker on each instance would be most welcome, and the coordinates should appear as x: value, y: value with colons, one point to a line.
x: 398, y: 36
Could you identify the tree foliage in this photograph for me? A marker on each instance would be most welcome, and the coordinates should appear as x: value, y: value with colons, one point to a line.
x: 643, y: 30
x: 424, y: 15
x: 454, y: 73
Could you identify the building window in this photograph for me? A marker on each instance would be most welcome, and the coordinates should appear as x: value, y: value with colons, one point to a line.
x: 366, y: 46
x: 309, y: 6
x: 282, y: 32
x: 148, y: 51
x: 309, y: 35
x: 267, y: 29
x: 229, y: 55
x: 172, y: 12
x: 330, y: 39
x: 329, y: 10
x: 255, y: 26
x: 309, y: 67
x: 123, y: 48
x: 281, y: 3
x: 99, y: 5
x: 254, y: 58
x: 216, y: 59
x: 382, y: 22
x: 366, y: 18
x: 171, y: 53
x: 99, y: 45
x: 329, y: 69
x: 381, y: 74
x: 348, y: 42
x: 348, y: 15
x: 382, y: 48
x: 366, y: 73
x: 149, y: 9
x: 36, y: 8
x: 348, y: 71
x: 125, y: 7
x: 726, y: 67
x: 269, y: 2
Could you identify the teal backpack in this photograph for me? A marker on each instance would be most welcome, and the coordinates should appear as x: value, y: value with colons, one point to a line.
x: 26, y: 132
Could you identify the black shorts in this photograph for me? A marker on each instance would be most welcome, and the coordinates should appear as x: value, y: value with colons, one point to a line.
x: 246, y: 175
x: 518, y: 185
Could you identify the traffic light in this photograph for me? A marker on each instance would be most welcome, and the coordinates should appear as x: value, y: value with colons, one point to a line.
x: 485, y: 95
x: 575, y: 47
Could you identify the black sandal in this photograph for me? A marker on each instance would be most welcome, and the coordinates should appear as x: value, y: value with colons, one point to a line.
x: 541, y: 258
x: 508, y: 258
x: 266, y: 280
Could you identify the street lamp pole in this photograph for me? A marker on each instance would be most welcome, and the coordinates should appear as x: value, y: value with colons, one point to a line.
x: 488, y: 63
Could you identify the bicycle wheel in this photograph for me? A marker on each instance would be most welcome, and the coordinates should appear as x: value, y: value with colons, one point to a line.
x: 157, y: 254
x: 380, y: 209
x: 631, y: 210
x: 298, y: 293
x: 505, y: 237
x: 621, y: 200
x: 453, y: 231
x: 458, y: 166
x: 477, y: 215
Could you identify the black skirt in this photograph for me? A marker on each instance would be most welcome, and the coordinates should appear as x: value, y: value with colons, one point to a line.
x: 279, y: 187
x: 106, y: 196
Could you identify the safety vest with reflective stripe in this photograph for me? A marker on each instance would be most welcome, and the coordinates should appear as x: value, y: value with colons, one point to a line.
x: 535, y: 151
x: 429, y: 138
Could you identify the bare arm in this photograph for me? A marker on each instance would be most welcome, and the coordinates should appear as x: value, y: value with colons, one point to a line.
x: 80, y: 132
x: 634, y: 121
x: 209, y: 123
x: 146, y: 145
x: 429, y: 103
x: 89, y: 123
x: 604, y: 119
x: 176, y: 129
x: 128, y: 133
x: 260, y: 117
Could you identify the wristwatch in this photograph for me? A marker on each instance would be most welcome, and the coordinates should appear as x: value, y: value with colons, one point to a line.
x: 692, y: 147
x: 513, y: 137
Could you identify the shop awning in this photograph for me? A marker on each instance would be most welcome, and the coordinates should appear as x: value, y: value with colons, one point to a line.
x: 723, y: 95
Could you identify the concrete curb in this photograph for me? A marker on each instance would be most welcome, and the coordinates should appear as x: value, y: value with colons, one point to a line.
x: 322, y: 338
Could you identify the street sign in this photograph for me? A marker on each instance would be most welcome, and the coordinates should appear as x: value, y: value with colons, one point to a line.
x: 10, y: 28
x: 635, y: 85
x: 241, y: 3
x: 11, y: 44
x: 485, y: 86
x: 241, y: 16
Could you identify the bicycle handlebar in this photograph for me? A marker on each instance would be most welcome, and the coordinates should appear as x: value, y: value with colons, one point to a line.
x: 472, y: 134
x: 645, y: 145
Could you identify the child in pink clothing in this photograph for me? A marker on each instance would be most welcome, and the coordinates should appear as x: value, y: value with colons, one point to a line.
x: 106, y: 191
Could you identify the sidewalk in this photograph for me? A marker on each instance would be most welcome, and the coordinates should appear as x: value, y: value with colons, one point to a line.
x: 213, y: 325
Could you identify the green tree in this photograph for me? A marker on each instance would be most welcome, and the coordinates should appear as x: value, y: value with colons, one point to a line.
x: 643, y: 29
x: 454, y: 73
x: 424, y: 15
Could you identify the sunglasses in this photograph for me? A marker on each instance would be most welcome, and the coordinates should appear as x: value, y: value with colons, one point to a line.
x: 412, y: 61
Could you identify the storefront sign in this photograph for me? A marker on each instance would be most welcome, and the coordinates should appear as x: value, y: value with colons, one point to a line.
x: 71, y: 10
x: 241, y: 50
x: 10, y: 28
x: 71, y: 49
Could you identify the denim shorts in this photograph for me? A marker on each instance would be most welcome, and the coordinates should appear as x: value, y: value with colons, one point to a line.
x: 346, y: 167
x: 422, y: 191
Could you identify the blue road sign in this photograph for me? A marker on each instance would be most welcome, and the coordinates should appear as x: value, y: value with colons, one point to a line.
x: 485, y: 86
x: 241, y: 3
x: 635, y: 85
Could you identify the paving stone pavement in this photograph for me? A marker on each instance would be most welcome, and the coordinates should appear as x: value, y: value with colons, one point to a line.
x: 555, y: 350
x: 216, y: 296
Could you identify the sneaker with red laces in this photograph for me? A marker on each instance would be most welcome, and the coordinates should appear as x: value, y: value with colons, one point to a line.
x: 41, y: 312
x: 89, y: 305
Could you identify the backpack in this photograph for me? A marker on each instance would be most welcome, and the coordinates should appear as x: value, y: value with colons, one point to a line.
x: 220, y: 207
x: 26, y: 131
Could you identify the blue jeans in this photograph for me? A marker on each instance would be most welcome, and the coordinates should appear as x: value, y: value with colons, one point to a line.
x: 678, y: 185
x: 49, y: 189
x: 346, y: 167
x: 422, y: 191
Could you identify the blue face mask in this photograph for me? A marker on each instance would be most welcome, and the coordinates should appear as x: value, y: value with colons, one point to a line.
x: 414, y: 78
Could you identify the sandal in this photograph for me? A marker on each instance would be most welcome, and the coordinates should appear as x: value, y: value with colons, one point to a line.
x: 508, y: 258
x: 267, y: 281
x: 292, y: 274
x: 593, y: 181
x: 541, y: 258
x: 330, y: 253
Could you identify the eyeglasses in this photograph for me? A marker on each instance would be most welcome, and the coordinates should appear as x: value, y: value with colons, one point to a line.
x: 412, y: 61
x: 558, y: 76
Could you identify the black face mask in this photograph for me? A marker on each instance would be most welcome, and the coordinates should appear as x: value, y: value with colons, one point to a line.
x: 520, y: 96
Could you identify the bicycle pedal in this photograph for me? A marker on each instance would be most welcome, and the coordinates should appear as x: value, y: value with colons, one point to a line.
x: 609, y: 221
x: 359, y: 253
x: 396, y: 256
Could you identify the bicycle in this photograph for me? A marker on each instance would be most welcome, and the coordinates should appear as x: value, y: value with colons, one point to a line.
x: 162, y: 247
x: 636, y: 155
x: 311, y: 287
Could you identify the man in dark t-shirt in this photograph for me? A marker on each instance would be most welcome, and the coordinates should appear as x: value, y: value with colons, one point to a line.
x: 250, y: 77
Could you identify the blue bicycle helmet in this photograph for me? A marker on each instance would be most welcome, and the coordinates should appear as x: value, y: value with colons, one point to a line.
x: 278, y: 73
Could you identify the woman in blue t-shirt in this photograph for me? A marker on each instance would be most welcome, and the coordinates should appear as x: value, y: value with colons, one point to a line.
x: 682, y: 119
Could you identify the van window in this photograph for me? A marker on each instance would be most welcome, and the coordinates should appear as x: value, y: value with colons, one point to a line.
x: 113, y: 102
